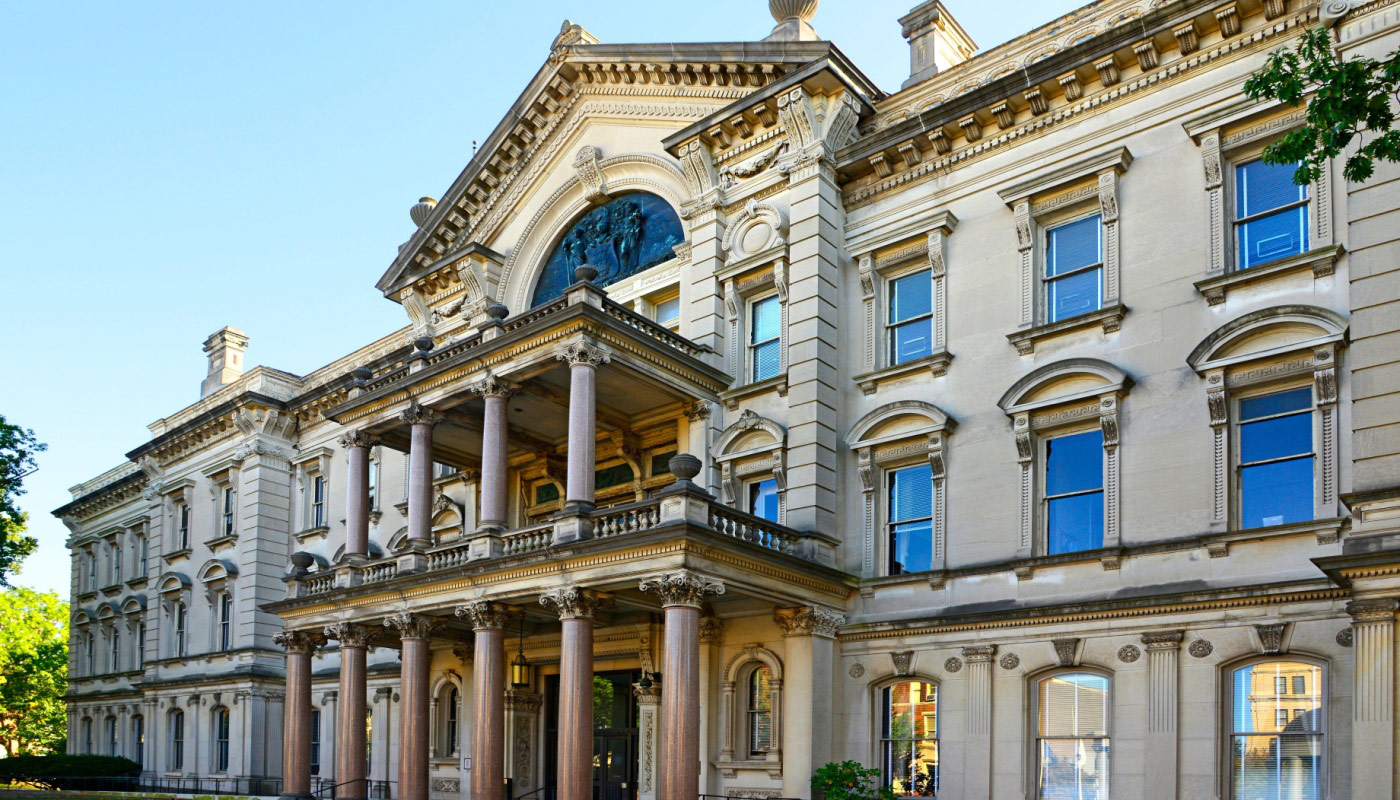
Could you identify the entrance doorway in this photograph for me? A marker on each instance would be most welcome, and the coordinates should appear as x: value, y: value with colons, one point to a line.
x: 615, y: 724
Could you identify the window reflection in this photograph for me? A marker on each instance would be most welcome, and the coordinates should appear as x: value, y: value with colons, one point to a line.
x: 1277, y: 729
x: 909, y: 738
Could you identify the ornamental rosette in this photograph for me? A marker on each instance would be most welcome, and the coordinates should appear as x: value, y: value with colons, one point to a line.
x: 681, y: 589
x: 299, y: 642
x: 573, y: 602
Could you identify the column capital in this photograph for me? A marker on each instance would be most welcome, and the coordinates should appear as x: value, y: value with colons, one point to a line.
x: 523, y: 702
x: 808, y: 621
x: 681, y: 588
x: 300, y: 642
x: 711, y: 630
x: 1374, y: 609
x: 412, y: 626
x: 488, y: 615
x: 493, y: 386
x: 583, y: 352
x: 647, y: 695
x: 358, y: 439
x: 1163, y: 640
x: 350, y: 634
x: 980, y: 654
x: 573, y: 602
x: 421, y: 415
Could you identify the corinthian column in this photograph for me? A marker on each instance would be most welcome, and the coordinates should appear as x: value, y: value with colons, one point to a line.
x: 420, y: 475
x: 576, y: 608
x: 350, y: 726
x: 357, y: 444
x: 296, y: 730
x: 583, y: 357
x: 1162, y: 648
x: 489, y: 621
x: 414, y: 631
x: 681, y: 594
x: 809, y: 639
x: 1373, y: 709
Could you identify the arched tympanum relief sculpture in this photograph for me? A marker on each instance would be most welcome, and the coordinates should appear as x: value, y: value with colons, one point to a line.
x: 629, y: 233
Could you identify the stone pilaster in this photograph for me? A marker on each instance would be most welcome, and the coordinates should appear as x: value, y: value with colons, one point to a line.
x: 809, y: 639
x: 263, y: 482
x: 648, y: 739
x: 711, y: 634
x: 1162, y: 741
x: 977, y: 759
x: 1373, y: 707
x: 522, y: 726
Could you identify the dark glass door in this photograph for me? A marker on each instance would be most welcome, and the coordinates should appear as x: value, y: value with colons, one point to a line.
x: 613, y: 766
x: 614, y: 734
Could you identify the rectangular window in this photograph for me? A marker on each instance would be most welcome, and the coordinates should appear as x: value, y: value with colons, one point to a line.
x: 909, y: 516
x: 1281, y: 685
x: 116, y: 564
x: 1276, y: 459
x: 315, y: 741
x: 1276, y: 747
x: 91, y: 662
x: 909, y: 739
x: 177, y: 741
x: 112, y: 736
x: 1074, y: 493
x: 221, y: 740
x: 1074, y: 269
x: 138, y: 737
x: 318, y: 502
x: 225, y: 621
x: 763, y: 499
x: 373, y: 485
x: 1271, y: 213
x: 668, y: 312
x: 765, y: 339
x: 92, y: 571
x: 911, y: 317
x: 229, y: 502
x: 140, y: 645
x: 87, y: 737
x: 116, y: 654
x: 179, y: 629
x: 1300, y: 684
x: 141, y: 556
x: 760, y: 712
x: 183, y: 512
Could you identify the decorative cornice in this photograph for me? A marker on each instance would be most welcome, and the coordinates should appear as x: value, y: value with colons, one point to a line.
x: 681, y: 588
x: 574, y: 602
x: 302, y: 643
x: 808, y: 621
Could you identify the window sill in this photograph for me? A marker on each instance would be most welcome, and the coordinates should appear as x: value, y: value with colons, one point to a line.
x: 936, y: 364
x: 88, y: 595
x: 172, y: 557
x: 311, y: 533
x: 137, y: 582
x: 112, y: 588
x: 732, y: 397
x: 1327, y: 531
x: 221, y: 541
x: 1321, y: 262
x: 1111, y: 318
x: 728, y: 769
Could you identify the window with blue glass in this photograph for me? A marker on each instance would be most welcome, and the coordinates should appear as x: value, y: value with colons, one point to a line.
x: 911, y: 317
x: 1276, y: 458
x: 763, y: 499
x: 1074, y: 269
x: 910, y: 519
x: 765, y: 338
x: 1271, y: 213
x: 1074, y: 492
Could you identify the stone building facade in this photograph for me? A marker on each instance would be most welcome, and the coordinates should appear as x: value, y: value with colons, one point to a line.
x: 1018, y: 433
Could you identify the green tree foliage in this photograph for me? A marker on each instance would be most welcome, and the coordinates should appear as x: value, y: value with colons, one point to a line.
x: 17, y: 449
x: 848, y: 780
x: 1349, y: 105
x: 58, y: 772
x: 33, y: 671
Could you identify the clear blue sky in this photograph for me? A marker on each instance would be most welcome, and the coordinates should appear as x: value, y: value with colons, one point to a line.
x: 170, y: 168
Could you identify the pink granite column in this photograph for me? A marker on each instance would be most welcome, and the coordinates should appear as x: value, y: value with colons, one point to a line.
x: 576, y: 608
x: 493, y: 454
x: 583, y: 357
x: 420, y: 475
x: 296, y: 728
x: 488, y: 620
x: 681, y: 594
x: 414, y: 631
x: 350, y: 725
x: 357, y: 444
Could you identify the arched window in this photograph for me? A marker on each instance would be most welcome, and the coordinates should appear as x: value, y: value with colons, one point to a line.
x: 1072, y: 736
x: 177, y: 740
x: 221, y: 739
x: 909, y: 738
x: 1276, y: 729
x: 630, y: 233
x: 454, y: 702
x: 760, y: 712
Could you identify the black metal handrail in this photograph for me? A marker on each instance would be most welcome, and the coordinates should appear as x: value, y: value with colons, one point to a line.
x: 374, y: 790
x: 149, y: 782
x: 542, y: 793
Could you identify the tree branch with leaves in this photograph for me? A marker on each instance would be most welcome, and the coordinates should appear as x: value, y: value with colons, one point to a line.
x: 17, y: 450
x: 1350, y: 104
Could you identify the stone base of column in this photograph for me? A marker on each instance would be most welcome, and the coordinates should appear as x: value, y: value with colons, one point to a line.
x: 347, y: 575
x: 572, y: 526
x: 413, y: 561
x: 486, y: 543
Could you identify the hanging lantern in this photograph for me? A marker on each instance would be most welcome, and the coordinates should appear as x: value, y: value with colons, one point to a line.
x: 519, y: 666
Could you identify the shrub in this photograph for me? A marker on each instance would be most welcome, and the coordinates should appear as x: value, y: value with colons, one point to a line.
x: 848, y: 780
x: 68, y: 771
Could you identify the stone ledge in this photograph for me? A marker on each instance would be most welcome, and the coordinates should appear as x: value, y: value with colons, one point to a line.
x: 311, y: 533
x: 732, y: 397
x: 1111, y: 318
x: 173, y: 555
x: 1321, y: 262
x: 936, y: 364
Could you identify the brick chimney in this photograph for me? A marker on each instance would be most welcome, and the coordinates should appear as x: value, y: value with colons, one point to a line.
x: 936, y: 41
x: 225, y: 350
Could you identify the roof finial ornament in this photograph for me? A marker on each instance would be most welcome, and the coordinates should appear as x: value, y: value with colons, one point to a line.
x: 422, y: 209
x: 569, y: 34
x: 794, y: 18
